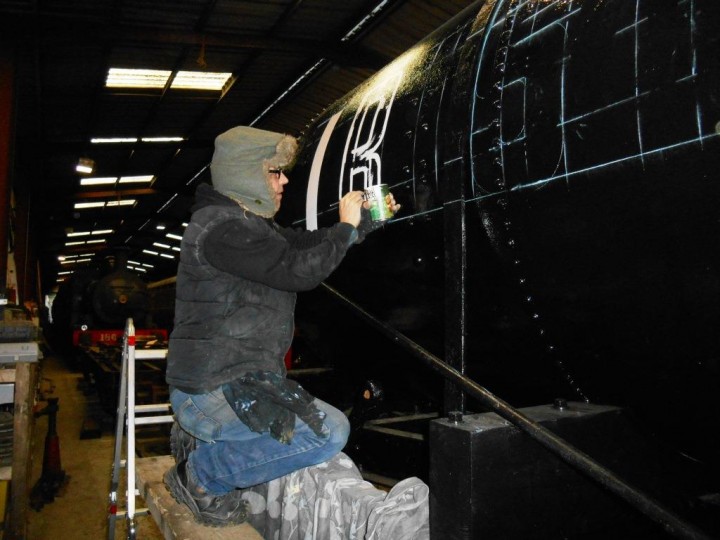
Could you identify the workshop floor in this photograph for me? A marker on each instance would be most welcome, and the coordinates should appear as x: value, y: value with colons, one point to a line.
x: 80, y: 509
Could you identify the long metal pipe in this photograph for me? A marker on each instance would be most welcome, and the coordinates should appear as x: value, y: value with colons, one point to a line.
x: 670, y: 522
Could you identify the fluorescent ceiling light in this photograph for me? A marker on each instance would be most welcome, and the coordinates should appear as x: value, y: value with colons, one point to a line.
x: 88, y: 233
x: 137, y: 78
x: 200, y: 80
x: 160, y: 227
x: 85, y: 166
x: 132, y: 140
x: 100, y: 204
x: 152, y: 78
x: 163, y: 139
x: 137, y: 179
x: 122, y: 202
x: 113, y: 140
x: 175, y: 248
x: 85, y: 242
x: 174, y: 236
x: 158, y: 244
x: 167, y: 256
x: 98, y: 181
x: 79, y: 206
x: 150, y: 252
x: 145, y: 178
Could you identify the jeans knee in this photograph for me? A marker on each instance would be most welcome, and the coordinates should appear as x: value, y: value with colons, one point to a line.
x: 339, y: 431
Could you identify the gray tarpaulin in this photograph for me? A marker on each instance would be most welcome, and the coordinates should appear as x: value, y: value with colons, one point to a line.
x: 331, y: 501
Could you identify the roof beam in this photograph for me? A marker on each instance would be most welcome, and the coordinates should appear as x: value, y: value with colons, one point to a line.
x: 114, y: 193
x: 81, y: 30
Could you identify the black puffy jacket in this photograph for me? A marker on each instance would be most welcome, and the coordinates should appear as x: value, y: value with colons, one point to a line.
x: 236, y: 289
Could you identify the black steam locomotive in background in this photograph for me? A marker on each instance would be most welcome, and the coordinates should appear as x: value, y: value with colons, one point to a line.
x: 88, y: 320
x: 97, y: 300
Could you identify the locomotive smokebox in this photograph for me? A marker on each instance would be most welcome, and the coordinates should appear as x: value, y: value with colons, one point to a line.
x: 119, y: 295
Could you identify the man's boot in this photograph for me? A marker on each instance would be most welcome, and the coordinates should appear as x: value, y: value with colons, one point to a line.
x: 181, y: 443
x: 216, y: 511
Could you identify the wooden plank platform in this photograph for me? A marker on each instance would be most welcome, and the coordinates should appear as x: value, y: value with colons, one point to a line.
x: 175, y: 520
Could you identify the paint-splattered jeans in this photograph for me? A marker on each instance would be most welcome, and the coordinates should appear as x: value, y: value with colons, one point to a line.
x: 229, y: 455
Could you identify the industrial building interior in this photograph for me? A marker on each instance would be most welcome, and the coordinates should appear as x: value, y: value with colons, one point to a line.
x: 273, y: 65
x: 543, y: 249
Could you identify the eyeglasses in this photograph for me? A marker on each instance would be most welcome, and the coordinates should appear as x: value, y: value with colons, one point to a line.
x: 276, y: 172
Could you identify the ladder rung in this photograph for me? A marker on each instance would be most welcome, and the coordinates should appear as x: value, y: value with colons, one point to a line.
x: 146, y: 354
x: 146, y: 420
x: 152, y: 407
x: 127, y: 385
x: 138, y: 512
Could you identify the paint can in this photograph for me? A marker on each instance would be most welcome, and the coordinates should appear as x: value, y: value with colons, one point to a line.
x: 379, y: 208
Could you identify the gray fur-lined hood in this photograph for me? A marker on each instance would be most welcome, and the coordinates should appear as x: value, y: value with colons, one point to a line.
x: 240, y: 163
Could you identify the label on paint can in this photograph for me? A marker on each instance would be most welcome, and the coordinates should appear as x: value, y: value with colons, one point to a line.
x: 379, y: 208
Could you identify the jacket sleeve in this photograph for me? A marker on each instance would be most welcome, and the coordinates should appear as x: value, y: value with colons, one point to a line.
x: 302, y: 239
x: 251, y: 248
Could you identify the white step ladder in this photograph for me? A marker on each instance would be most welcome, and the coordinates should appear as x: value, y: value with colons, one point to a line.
x: 126, y: 418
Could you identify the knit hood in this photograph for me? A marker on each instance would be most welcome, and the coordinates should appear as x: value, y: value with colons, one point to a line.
x: 240, y: 163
